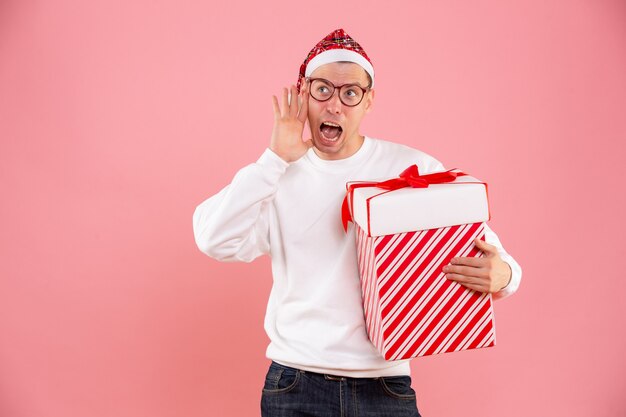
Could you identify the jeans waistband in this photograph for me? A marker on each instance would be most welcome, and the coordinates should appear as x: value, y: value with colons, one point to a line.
x: 328, y: 377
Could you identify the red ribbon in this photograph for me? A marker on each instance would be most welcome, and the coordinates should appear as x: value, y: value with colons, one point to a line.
x: 410, y: 177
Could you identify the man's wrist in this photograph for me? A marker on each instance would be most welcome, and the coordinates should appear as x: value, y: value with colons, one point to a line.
x: 276, y: 156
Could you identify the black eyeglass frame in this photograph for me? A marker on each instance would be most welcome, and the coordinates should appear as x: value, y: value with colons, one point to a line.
x: 338, y: 88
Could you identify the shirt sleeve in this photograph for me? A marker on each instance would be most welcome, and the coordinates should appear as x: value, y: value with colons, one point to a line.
x: 516, y: 269
x: 233, y: 225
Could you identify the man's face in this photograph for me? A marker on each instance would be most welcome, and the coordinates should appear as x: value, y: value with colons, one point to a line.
x: 348, y: 140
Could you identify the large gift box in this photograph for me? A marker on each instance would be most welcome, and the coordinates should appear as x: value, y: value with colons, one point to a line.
x: 407, y: 229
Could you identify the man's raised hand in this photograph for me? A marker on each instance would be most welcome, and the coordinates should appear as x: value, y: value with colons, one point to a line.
x: 289, y: 123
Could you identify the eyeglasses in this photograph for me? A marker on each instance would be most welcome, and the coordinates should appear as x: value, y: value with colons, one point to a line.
x: 349, y: 94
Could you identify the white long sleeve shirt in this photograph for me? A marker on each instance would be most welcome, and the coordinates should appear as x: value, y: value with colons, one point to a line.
x: 292, y: 212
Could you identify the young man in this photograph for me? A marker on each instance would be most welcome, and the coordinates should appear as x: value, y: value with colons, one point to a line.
x: 287, y: 205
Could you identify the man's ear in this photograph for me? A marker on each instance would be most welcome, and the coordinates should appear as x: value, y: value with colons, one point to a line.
x: 369, y: 101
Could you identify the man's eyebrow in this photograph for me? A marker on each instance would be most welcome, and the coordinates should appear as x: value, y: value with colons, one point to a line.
x: 347, y: 83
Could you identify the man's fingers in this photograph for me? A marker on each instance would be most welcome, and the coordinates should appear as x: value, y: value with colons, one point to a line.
x: 470, y: 261
x: 486, y: 247
x: 476, y: 287
x: 304, y: 106
x: 275, y: 106
x: 463, y: 270
x: 309, y: 142
x: 293, y: 105
x: 464, y: 279
x: 285, y: 109
x: 461, y: 278
x: 470, y: 271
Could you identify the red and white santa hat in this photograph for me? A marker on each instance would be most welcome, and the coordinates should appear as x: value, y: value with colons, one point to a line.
x: 336, y: 46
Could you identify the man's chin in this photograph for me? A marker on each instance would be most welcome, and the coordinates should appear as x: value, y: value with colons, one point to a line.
x: 330, y: 151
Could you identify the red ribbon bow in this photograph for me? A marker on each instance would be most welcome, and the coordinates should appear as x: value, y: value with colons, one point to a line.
x: 410, y: 177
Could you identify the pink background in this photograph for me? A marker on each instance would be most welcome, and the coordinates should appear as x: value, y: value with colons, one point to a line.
x: 117, y: 118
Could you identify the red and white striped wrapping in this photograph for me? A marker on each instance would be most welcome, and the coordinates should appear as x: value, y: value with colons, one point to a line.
x: 411, y: 308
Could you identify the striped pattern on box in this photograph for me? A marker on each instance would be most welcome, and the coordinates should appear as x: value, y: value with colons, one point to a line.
x: 411, y: 308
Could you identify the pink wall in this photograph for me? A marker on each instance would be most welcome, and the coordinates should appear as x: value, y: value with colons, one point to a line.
x: 117, y: 118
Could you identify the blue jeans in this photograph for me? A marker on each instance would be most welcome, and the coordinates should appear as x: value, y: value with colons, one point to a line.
x: 291, y: 392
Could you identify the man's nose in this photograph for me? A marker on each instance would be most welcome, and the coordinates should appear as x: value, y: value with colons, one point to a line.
x: 333, y: 104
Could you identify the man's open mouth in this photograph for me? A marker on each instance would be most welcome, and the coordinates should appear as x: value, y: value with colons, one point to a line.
x: 330, y: 131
